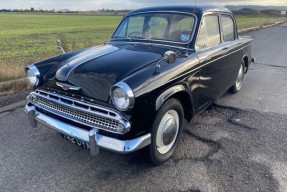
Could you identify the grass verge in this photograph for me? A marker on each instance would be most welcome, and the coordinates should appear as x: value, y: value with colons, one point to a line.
x: 247, y: 22
x: 14, y: 86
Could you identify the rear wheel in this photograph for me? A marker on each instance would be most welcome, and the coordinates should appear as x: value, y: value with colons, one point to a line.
x: 166, y: 132
x: 238, y: 83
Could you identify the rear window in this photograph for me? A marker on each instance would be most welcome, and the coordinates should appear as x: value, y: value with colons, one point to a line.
x: 228, y: 28
x: 212, y: 30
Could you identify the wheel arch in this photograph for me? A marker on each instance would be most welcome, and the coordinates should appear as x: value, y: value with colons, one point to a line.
x: 181, y: 93
x: 246, y: 61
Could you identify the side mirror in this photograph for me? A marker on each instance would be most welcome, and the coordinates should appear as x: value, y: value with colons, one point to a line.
x: 170, y: 57
x: 60, y: 46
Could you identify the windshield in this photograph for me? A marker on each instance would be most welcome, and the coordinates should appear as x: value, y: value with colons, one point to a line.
x: 174, y: 27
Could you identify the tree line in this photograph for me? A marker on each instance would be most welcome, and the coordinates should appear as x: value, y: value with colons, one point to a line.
x: 253, y: 12
x: 32, y: 9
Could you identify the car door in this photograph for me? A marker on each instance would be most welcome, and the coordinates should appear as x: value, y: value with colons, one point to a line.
x: 210, y: 52
x: 232, y: 48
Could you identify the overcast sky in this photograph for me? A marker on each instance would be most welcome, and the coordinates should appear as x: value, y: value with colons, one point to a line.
x: 121, y: 4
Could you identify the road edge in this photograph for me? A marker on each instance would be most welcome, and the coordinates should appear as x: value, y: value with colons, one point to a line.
x: 12, y: 106
x: 240, y: 31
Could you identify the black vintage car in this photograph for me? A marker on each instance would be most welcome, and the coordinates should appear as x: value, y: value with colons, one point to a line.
x: 162, y: 65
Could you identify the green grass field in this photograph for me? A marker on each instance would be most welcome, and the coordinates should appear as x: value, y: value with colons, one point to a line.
x: 27, y: 38
x: 245, y: 22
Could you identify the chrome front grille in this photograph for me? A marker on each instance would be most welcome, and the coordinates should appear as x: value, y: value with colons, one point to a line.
x: 78, y: 111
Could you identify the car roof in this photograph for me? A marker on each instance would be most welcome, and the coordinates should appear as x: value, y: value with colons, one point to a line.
x: 195, y: 9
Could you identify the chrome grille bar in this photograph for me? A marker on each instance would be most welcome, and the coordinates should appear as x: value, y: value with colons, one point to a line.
x: 79, y: 111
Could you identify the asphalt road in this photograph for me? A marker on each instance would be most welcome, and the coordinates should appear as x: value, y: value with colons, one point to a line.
x: 238, y: 144
x: 265, y: 85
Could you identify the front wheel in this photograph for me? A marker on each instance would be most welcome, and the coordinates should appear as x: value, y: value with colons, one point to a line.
x: 166, y: 132
x: 238, y: 83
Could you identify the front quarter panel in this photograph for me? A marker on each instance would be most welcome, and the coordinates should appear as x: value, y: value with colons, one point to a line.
x: 152, y: 79
x: 150, y: 86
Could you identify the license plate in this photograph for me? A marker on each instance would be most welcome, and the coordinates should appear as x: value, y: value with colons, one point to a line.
x: 76, y: 141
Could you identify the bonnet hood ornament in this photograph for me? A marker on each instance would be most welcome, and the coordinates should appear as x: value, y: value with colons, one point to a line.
x: 67, y: 86
x: 60, y: 46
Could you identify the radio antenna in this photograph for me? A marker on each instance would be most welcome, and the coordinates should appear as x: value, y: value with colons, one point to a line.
x: 186, y: 51
x: 187, y: 46
x: 195, y: 3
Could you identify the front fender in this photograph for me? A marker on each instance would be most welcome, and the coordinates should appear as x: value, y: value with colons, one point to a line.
x: 180, y: 92
x: 167, y: 94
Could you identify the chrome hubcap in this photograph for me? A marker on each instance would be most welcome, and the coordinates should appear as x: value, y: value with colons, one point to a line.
x: 167, y: 131
x: 239, y: 77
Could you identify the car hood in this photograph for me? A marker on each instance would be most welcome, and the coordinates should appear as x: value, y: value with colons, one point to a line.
x: 96, y: 70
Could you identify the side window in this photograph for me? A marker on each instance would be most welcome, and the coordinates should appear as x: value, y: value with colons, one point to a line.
x: 123, y: 29
x: 201, y: 41
x: 228, y: 28
x: 212, y: 30
x: 209, y: 34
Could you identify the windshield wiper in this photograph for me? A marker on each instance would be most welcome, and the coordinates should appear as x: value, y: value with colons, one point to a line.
x: 121, y: 37
x: 130, y: 38
x: 141, y: 38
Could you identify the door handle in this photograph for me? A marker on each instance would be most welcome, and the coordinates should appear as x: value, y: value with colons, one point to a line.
x: 207, y: 59
x: 225, y: 48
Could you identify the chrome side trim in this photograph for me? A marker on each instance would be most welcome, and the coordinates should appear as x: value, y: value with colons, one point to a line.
x: 200, y: 66
x: 109, y: 143
x: 225, y: 55
x: 208, y: 63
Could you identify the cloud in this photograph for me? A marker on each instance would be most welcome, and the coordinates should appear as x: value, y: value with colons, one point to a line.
x: 122, y: 4
x: 219, y: 2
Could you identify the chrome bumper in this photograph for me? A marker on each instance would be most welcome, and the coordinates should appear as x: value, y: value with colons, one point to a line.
x: 92, y: 137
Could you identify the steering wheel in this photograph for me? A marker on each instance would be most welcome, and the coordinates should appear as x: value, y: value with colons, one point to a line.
x: 139, y: 33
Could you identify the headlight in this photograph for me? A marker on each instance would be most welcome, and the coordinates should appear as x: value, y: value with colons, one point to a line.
x: 33, y: 75
x: 122, y: 96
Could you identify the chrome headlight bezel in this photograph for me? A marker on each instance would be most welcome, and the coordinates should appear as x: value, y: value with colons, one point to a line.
x: 128, y: 96
x: 33, y: 75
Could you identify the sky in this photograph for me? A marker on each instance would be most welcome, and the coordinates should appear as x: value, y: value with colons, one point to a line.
x: 85, y: 5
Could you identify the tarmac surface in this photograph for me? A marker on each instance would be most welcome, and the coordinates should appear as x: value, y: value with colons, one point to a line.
x: 238, y: 144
